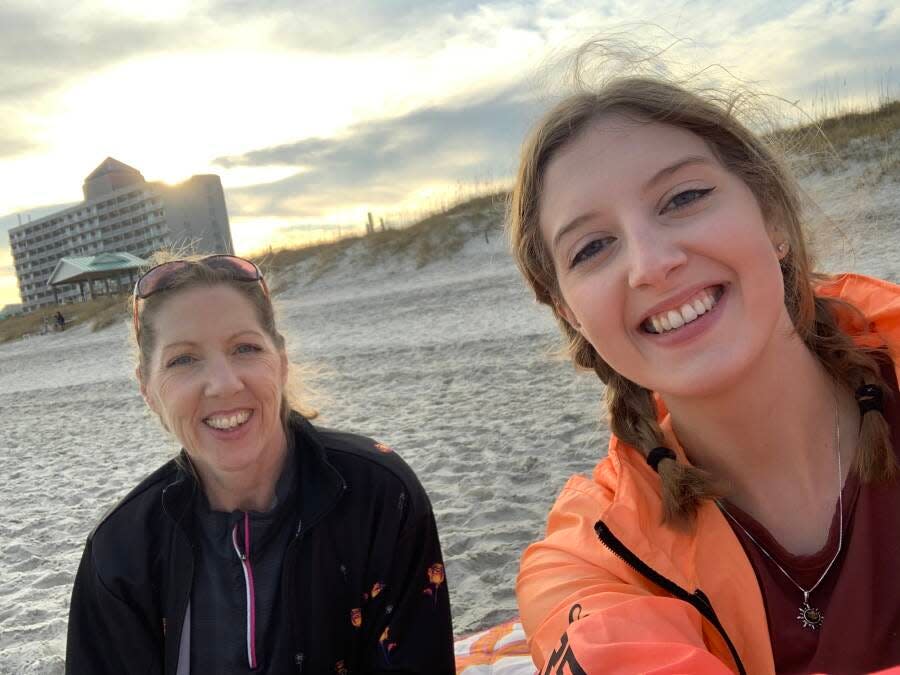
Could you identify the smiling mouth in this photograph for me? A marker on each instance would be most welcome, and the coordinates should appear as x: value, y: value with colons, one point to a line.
x: 696, y: 306
x: 228, y: 422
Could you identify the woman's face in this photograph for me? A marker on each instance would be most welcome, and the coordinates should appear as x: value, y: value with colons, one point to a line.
x: 664, y: 261
x: 216, y: 380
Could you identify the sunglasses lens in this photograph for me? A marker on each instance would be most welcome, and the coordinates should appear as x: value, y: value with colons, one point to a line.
x: 243, y: 269
x: 158, y: 278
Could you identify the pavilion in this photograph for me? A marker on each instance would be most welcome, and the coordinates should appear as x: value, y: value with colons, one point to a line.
x: 91, y: 270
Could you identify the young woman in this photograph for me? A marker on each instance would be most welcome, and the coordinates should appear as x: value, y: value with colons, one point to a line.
x: 745, y: 517
x: 269, y: 545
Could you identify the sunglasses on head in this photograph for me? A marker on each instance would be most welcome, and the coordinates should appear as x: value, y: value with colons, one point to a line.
x: 162, y: 277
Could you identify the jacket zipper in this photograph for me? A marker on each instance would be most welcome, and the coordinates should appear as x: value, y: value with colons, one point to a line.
x: 698, y: 599
x: 248, y: 582
x: 287, y: 580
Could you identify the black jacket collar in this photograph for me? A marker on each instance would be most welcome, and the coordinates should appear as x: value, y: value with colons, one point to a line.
x: 319, y: 487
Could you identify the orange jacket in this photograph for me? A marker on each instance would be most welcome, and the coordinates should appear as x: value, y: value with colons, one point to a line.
x: 612, y: 590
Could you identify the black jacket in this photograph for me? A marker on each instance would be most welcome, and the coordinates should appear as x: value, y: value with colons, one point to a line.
x: 363, y: 586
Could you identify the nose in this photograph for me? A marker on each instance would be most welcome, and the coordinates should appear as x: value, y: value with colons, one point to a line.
x: 222, y: 380
x: 653, y: 254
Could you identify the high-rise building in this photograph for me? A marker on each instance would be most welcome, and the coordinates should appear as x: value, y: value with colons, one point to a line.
x: 121, y: 212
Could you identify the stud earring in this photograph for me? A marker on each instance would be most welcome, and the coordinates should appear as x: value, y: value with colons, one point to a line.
x: 782, y: 248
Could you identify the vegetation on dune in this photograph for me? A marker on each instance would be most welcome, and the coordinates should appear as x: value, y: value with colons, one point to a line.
x: 880, y: 123
x: 827, y: 145
x: 443, y: 234
x: 99, y: 313
x: 438, y: 236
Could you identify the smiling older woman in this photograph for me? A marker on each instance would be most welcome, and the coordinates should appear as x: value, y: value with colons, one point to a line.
x: 268, y: 545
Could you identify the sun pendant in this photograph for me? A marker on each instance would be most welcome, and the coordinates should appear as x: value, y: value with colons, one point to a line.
x: 810, y: 617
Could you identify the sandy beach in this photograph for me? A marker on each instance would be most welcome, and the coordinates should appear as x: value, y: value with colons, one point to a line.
x: 451, y: 364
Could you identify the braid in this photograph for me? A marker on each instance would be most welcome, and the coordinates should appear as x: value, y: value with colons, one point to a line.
x: 632, y: 418
x: 854, y: 366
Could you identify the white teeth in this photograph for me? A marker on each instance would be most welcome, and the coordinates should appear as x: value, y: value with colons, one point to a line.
x: 675, y: 319
x: 688, y: 312
x: 228, y: 422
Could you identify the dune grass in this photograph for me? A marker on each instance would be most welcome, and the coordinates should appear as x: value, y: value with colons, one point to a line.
x: 437, y: 236
x: 880, y: 123
x: 443, y: 234
x: 865, y: 135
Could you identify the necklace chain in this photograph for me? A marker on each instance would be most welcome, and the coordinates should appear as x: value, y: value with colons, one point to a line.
x: 805, y: 591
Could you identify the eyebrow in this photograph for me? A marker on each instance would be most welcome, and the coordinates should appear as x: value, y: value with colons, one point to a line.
x: 189, y: 343
x: 665, y: 172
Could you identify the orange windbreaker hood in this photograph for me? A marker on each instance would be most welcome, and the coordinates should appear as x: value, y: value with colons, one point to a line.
x: 581, y: 601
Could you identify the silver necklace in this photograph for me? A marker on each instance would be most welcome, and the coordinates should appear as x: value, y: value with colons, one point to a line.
x: 809, y: 617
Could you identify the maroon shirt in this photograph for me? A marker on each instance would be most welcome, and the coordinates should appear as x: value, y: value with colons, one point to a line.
x: 860, y: 595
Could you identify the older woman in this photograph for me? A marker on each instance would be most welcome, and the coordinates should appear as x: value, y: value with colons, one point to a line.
x: 268, y: 545
x: 745, y: 517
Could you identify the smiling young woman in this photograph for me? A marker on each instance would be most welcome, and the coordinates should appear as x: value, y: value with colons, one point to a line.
x: 269, y: 545
x: 742, y: 520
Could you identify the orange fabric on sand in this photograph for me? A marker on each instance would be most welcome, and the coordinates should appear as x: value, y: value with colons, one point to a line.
x: 578, y: 600
x: 490, y: 646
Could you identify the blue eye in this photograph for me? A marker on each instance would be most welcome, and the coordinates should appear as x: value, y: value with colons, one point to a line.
x: 247, y: 349
x: 591, y: 249
x: 183, y: 360
x: 685, y: 198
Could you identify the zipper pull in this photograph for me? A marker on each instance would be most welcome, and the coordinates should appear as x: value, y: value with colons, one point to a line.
x: 237, y: 549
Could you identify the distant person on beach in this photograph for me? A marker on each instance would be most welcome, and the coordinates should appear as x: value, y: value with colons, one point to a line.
x: 60, y: 320
x: 268, y: 545
x: 745, y: 518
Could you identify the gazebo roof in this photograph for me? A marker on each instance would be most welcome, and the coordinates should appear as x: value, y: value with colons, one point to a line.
x: 102, y: 266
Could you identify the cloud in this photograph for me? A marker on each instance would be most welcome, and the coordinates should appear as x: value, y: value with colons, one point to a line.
x: 361, y: 25
x: 12, y: 147
x: 41, y: 50
x: 386, y: 160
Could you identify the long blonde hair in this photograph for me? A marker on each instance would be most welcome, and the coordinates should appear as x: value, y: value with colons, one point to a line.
x: 632, y: 409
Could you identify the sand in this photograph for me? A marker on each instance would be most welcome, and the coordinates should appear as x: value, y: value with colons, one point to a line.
x: 451, y: 365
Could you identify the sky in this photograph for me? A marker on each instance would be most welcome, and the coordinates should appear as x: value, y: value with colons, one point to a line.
x: 315, y: 112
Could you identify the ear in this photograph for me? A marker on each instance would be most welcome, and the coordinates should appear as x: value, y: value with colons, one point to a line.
x: 566, y: 312
x: 779, y: 242
x: 148, y: 399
